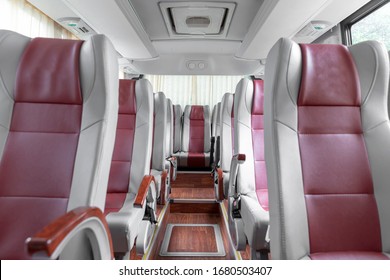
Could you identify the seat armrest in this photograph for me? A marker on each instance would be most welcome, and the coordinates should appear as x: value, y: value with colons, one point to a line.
x: 143, y: 191
x: 236, y: 225
x: 236, y: 161
x: 50, y: 241
x: 173, y: 161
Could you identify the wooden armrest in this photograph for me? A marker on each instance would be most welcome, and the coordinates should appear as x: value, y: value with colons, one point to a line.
x: 52, y: 235
x: 239, y: 157
x: 143, y: 191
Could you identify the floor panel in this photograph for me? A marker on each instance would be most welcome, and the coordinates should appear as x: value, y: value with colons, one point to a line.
x: 192, y: 204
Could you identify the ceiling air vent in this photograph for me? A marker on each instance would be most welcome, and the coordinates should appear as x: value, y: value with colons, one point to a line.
x: 197, y: 19
x: 198, y: 22
x: 77, y: 26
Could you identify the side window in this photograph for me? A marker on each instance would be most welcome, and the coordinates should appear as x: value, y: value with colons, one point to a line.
x: 374, y: 26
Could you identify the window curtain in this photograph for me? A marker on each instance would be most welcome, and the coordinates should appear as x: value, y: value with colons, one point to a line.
x: 20, y: 16
x: 194, y: 90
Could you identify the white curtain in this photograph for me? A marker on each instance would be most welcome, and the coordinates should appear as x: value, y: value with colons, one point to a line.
x: 20, y: 16
x: 194, y: 90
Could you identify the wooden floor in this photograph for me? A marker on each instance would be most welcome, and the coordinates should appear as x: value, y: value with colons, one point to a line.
x: 193, y: 240
x: 193, y: 186
x: 192, y: 202
x: 202, y: 239
x: 192, y: 193
x: 181, y: 210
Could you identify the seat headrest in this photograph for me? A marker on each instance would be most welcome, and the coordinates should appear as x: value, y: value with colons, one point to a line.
x: 160, y: 103
x: 258, y: 97
x: 197, y: 113
x: 49, y: 68
x: 329, y: 77
x: 127, y: 97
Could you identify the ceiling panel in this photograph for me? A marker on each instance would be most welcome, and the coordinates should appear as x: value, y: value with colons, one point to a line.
x: 152, y: 20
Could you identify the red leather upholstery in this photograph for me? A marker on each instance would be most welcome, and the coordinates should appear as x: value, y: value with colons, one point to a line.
x: 118, y: 183
x: 49, y: 70
x: 327, y: 82
x: 196, y: 138
x: 36, y: 169
x: 341, y: 207
x: 257, y: 117
x: 196, y: 130
x: 196, y: 157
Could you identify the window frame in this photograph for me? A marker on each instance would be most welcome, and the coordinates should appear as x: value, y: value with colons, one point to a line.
x: 366, y: 10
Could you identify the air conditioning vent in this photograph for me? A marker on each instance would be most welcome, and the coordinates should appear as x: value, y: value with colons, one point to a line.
x: 77, y: 26
x: 197, y: 19
x: 198, y: 22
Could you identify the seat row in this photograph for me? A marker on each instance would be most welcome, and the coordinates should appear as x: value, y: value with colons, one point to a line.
x: 135, y: 130
x: 81, y: 173
x: 239, y: 167
x: 301, y: 156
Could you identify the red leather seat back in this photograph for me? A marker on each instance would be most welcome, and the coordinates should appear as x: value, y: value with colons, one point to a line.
x: 118, y: 184
x: 257, y: 118
x: 196, y: 144
x: 36, y: 168
x: 196, y: 137
x: 196, y: 157
x: 338, y: 187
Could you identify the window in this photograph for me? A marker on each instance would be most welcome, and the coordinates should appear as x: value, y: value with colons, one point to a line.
x: 20, y: 16
x: 194, y: 90
x: 374, y: 26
